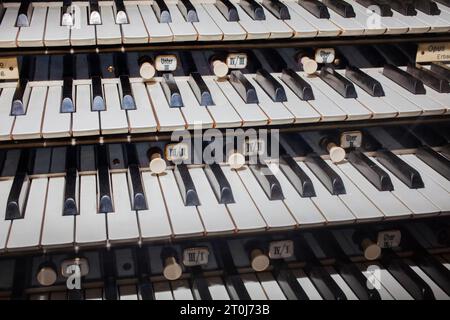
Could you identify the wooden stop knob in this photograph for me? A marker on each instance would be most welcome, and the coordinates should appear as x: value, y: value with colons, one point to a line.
x: 157, y: 163
x: 309, y: 65
x: 220, y: 68
x: 46, y: 275
x: 372, y: 251
x: 259, y: 261
x: 172, y: 270
x: 236, y: 160
x: 337, y: 154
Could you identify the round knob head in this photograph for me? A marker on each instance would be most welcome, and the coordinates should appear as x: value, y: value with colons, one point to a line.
x: 147, y: 71
x: 337, y: 154
x: 220, y: 68
x: 260, y: 262
x: 309, y: 65
x: 372, y: 252
x: 172, y: 271
x: 46, y: 276
x: 157, y: 165
x: 236, y: 160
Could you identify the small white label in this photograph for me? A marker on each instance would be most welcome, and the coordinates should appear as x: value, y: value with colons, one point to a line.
x: 389, y: 238
x: 432, y: 52
x: 177, y: 151
x: 324, y: 55
x: 351, y: 139
x: 281, y: 249
x: 8, y: 68
x: 67, y: 266
x: 254, y: 147
x: 237, y: 60
x: 166, y: 62
x: 195, y: 256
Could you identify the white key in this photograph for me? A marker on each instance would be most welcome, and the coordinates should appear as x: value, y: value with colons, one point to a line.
x: 25, y: 233
x: 439, y: 294
x: 33, y: 36
x: 275, y: 111
x: 181, y: 290
x: 435, y: 22
x: 412, y: 198
x: 414, y: 24
x: 28, y: 126
x: 250, y: 113
x: 196, y: 116
x: 93, y: 294
x: 270, y: 286
x: 300, y: 26
x: 5, y: 187
x: 278, y: 28
x: 253, y: 287
x: 384, y: 294
x: 217, y: 289
x: 307, y: 285
x: 385, y: 201
x: 355, y: 200
x: 169, y: 119
x: 159, y: 32
x: 349, y: 26
x: 134, y: 31
x: 122, y: 223
x: 162, y: 291
x: 182, y: 30
x: 154, y: 222
x: 441, y: 98
x: 8, y: 29
x: 90, y: 225
x: 184, y: 219
x: 274, y: 212
x: 341, y: 283
x: 142, y: 119
x: 6, y: 121
x: 362, y: 20
x: 325, y: 27
x: 332, y: 208
x: 108, y: 32
x: 114, y: 119
x: 232, y: 30
x: 244, y: 212
x: 55, y: 123
x: 214, y: 215
x: 84, y: 121
x: 303, y: 209
x: 83, y: 34
x: 55, y: 33
x: 128, y: 292
x: 207, y: 29
x: 255, y: 29
x: 57, y: 229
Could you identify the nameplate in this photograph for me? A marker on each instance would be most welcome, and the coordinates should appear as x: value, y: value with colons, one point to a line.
x: 281, y: 249
x: 166, y: 62
x: 389, y: 238
x: 351, y: 139
x: 195, y: 256
x: 433, y: 52
x: 177, y: 152
x: 237, y: 60
x: 9, y: 69
x: 324, y: 55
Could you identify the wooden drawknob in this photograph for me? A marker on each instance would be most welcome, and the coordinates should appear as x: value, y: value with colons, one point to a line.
x: 236, y: 160
x: 172, y: 270
x: 46, y: 275
x: 337, y: 154
x: 259, y: 261
x: 220, y: 68
x: 372, y: 251
x: 309, y: 65
x: 157, y: 163
x: 147, y: 71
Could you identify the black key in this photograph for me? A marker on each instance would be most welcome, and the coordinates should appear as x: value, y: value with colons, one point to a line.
x: 288, y: 282
x: 277, y: 8
x: 297, y: 177
x: 406, y: 8
x: 127, y: 94
x: 200, y: 288
x: 364, y: 81
x: 329, y: 178
x: 171, y: 91
x: 435, y: 160
x: 145, y: 287
x: 407, y: 174
x: 429, y: 78
x: 272, y: 87
x: 58, y: 164
x: 41, y: 161
x: 273, y: 59
x: 427, y: 7
x: 188, y: 10
x: 162, y: 11
x: 98, y: 102
x: 109, y: 276
x: 297, y: 84
x: 402, y: 137
x: 384, y: 8
x: 243, y: 87
x: 253, y: 9
x: 94, y: 13
x: 87, y: 158
x: 317, y: 8
x: 121, y: 13
x: 20, y: 277
x: 404, y: 79
x: 268, y: 182
x: 138, y: 201
x: 67, y: 18
x: 372, y: 172
x: 24, y: 15
x: 200, y: 89
x: 67, y: 105
x: 444, y: 2
x: 339, y: 83
x: 18, y: 106
x: 15, y: 208
x: 341, y: 7
x: 10, y: 163
x: 219, y: 183
x: 2, y: 159
x: 428, y: 136
x: 117, y: 156
x: 186, y: 185
x: 104, y: 185
x: 70, y: 200
x: 228, y: 10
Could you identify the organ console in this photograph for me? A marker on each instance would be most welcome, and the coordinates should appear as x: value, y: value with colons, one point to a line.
x: 197, y: 149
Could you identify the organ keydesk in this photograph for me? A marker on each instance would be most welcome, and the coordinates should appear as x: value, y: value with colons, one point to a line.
x: 224, y: 150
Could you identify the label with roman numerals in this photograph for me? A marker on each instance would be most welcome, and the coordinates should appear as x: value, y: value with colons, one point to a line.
x: 177, y: 152
x: 389, y: 238
x: 9, y: 69
x: 324, y: 55
x: 195, y: 256
x: 237, y: 60
x: 281, y: 249
x: 433, y: 52
x: 351, y: 139
x: 167, y: 62
x: 254, y: 147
